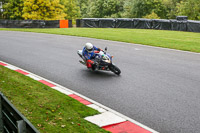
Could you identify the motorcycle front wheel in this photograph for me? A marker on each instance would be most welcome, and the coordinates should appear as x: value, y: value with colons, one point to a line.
x: 114, y: 69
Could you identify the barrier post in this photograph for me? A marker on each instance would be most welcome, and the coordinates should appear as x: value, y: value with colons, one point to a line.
x: 11, y: 120
x: 21, y: 126
x: 64, y: 24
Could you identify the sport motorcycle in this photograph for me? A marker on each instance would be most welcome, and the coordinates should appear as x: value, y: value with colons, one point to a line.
x: 102, y: 61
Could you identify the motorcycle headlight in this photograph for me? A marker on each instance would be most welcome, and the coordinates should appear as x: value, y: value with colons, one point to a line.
x: 107, y: 61
x: 104, y: 58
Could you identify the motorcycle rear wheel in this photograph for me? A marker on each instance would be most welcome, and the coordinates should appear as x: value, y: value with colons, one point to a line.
x: 114, y: 69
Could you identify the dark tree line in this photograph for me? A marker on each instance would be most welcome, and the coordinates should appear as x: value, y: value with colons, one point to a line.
x: 164, y: 9
x: 72, y: 9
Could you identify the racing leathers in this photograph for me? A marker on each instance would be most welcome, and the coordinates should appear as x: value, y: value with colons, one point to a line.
x: 90, y: 56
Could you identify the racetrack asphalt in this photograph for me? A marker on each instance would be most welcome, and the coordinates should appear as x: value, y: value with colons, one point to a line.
x: 158, y: 87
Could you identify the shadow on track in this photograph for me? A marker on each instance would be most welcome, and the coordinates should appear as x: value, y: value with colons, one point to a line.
x: 98, y: 74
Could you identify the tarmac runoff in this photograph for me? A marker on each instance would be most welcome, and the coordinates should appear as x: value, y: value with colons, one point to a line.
x: 108, y: 119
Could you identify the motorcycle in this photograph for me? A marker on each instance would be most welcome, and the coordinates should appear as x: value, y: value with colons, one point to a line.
x: 102, y: 61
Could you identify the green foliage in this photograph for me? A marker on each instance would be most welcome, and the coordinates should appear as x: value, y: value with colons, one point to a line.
x: 83, y: 5
x: 165, y: 9
x: 43, y: 10
x: 153, y: 15
x: 190, y: 8
x: 104, y: 8
x: 141, y: 8
x: 1, y: 9
x: 71, y: 9
x: 138, y: 8
x: 170, y: 6
x: 13, y: 9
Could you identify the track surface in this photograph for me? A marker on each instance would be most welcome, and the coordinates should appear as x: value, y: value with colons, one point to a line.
x: 159, y: 88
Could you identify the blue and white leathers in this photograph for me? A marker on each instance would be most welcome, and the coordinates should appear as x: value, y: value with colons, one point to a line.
x: 89, y: 55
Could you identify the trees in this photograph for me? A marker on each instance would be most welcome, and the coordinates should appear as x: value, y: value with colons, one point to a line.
x: 171, y: 9
x: 153, y: 15
x: 1, y: 9
x: 12, y: 9
x: 43, y: 10
x: 83, y: 5
x: 141, y: 8
x: 104, y: 8
x: 190, y: 8
x: 71, y: 9
x: 137, y: 8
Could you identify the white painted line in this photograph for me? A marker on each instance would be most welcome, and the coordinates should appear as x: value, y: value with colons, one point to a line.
x: 137, y: 49
x: 62, y: 90
x: 11, y: 67
x: 33, y: 77
x: 101, y: 110
x: 104, y: 119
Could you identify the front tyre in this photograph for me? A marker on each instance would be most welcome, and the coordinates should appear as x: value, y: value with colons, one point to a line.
x: 114, y: 69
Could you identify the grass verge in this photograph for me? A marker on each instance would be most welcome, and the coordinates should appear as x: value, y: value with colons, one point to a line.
x: 47, y: 109
x: 187, y: 41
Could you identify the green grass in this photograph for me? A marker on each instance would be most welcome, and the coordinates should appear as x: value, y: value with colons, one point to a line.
x: 186, y: 41
x: 47, y: 109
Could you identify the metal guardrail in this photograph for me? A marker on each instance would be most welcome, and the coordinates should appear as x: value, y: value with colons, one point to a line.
x: 11, y: 120
x: 35, y: 23
x: 181, y: 24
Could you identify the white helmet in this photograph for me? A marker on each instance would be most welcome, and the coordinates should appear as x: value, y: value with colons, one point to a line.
x: 89, y: 47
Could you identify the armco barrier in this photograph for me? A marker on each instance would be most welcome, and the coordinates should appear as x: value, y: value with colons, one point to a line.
x: 161, y: 24
x: 91, y: 23
x: 107, y: 23
x: 142, y: 23
x: 182, y: 24
x: 11, y: 120
x: 35, y: 23
x: 124, y: 23
x: 193, y: 26
x: 179, y: 25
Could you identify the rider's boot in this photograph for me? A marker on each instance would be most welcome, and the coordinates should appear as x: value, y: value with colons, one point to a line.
x: 82, y: 62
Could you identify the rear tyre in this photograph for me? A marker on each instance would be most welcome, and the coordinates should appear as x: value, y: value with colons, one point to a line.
x: 115, y: 69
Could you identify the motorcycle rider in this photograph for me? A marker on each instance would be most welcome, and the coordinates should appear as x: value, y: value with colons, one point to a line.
x: 89, y: 55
